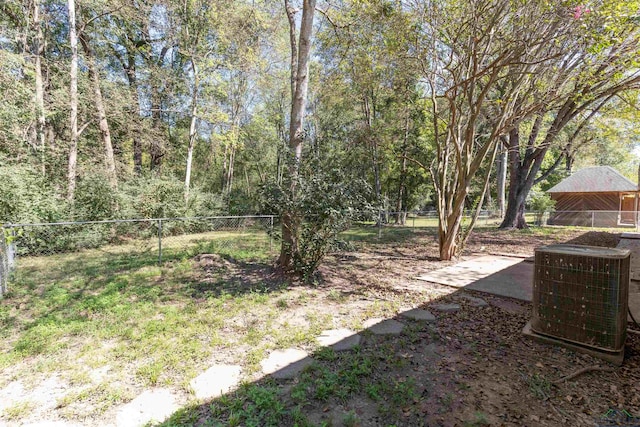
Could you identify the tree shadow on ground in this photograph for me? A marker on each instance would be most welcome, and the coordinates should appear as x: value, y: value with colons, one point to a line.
x: 469, y: 366
x: 69, y: 289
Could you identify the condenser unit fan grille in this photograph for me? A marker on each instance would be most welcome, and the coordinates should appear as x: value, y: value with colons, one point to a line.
x: 580, y: 295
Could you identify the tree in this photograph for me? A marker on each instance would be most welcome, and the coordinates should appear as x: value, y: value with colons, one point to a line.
x: 39, y: 85
x: 369, y: 91
x: 595, y: 71
x: 100, y: 111
x: 480, y: 60
x: 300, y: 57
x: 73, y: 103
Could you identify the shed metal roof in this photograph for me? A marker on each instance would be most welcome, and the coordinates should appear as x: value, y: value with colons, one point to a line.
x: 596, y: 179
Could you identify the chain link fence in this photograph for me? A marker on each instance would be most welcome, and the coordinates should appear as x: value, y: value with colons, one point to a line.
x: 599, y: 219
x: 489, y: 218
x: 139, y: 242
x: 129, y: 243
x: 417, y: 219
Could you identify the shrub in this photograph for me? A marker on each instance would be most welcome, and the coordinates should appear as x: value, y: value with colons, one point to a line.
x: 327, y: 201
x: 94, y: 198
x: 26, y: 197
x: 540, y: 203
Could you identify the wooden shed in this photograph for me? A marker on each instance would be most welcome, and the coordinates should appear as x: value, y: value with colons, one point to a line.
x: 597, y: 197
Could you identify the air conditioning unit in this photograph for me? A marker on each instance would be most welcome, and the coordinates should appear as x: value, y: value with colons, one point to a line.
x: 580, y: 296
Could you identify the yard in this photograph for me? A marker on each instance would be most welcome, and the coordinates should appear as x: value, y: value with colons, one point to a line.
x: 85, y: 334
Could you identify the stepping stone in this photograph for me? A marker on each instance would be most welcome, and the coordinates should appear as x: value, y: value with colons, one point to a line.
x: 152, y: 405
x: 431, y: 352
x: 384, y: 327
x: 215, y: 381
x: 447, y: 308
x: 418, y: 314
x: 286, y: 364
x: 50, y: 424
x: 475, y: 301
x: 339, y: 339
x: 98, y: 375
x: 509, y: 306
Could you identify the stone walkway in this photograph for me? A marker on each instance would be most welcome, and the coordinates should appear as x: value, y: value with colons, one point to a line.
x: 216, y: 381
x: 152, y: 405
x: 158, y: 404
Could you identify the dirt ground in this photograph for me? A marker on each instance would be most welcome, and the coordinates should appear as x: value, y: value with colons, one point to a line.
x: 469, y: 367
x: 475, y: 366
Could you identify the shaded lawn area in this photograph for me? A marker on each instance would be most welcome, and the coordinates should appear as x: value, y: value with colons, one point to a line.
x: 104, y: 325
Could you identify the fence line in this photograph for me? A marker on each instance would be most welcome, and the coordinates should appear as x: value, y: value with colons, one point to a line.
x: 144, y: 236
x: 133, y: 220
x: 138, y: 237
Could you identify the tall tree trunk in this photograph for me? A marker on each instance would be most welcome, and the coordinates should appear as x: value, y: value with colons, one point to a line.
x: 101, y: 114
x: 192, y: 129
x: 246, y: 180
x: 568, y: 165
x: 400, y: 218
x: 130, y: 70
x: 282, y: 139
x: 449, y: 235
x: 488, y: 199
x: 73, y: 103
x: 40, y: 114
x: 368, y: 106
x: 299, y: 84
x: 223, y: 177
x: 522, y: 172
x: 502, y: 179
x: 157, y: 148
x: 235, y: 100
x: 230, y: 172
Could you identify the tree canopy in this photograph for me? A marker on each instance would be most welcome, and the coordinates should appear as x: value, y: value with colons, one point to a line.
x: 222, y: 104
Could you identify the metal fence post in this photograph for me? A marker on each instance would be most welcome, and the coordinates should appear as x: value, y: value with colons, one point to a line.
x: 159, y: 240
x: 593, y: 219
x: 271, y: 233
x: 8, y: 254
x: 4, y: 264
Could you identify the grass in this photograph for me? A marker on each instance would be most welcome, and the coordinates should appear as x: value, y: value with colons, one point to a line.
x: 539, y: 386
x: 161, y: 324
x: 333, y: 379
x: 18, y: 410
x: 151, y: 324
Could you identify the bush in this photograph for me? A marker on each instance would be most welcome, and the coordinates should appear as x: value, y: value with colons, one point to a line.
x: 326, y: 203
x: 164, y: 198
x: 94, y: 198
x: 239, y: 203
x: 540, y: 203
x: 25, y: 197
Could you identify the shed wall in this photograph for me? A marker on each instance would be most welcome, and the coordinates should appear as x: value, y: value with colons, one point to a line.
x: 578, y: 205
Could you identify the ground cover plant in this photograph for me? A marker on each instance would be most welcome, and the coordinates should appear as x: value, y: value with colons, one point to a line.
x: 83, y: 334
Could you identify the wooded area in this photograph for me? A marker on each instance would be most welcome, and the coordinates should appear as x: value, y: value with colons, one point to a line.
x: 310, y: 110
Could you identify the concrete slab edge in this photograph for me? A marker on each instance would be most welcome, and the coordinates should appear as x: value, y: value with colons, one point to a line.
x: 614, y: 358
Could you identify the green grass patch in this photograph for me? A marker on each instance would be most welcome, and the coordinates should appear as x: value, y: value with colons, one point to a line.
x: 162, y: 320
x: 18, y: 410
